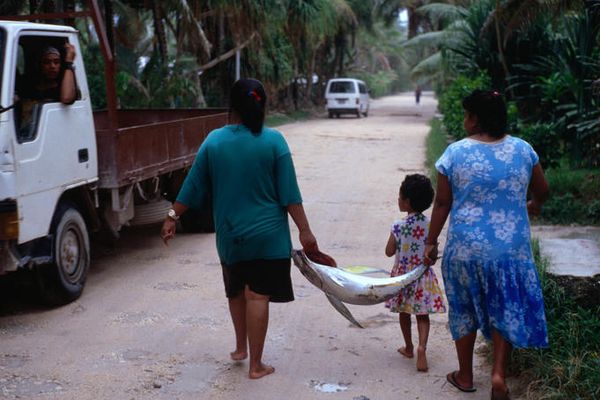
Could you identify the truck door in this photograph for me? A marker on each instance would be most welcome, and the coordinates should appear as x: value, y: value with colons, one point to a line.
x: 55, y: 143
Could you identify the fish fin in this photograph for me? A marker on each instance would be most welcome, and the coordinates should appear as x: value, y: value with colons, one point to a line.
x: 342, y: 309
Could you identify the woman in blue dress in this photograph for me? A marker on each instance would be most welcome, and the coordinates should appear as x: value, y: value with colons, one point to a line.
x: 489, y: 275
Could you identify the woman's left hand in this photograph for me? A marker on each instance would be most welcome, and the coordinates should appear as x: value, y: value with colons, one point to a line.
x: 308, y: 241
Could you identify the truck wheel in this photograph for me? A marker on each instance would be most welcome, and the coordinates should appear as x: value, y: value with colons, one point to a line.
x: 62, y: 281
x: 195, y: 221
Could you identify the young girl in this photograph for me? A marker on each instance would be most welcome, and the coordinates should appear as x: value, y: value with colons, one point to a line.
x: 407, y: 243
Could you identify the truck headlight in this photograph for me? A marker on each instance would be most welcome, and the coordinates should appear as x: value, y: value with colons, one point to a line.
x: 9, y: 220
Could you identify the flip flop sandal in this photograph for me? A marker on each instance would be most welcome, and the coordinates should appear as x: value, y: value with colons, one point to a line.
x: 451, y: 378
x: 505, y: 396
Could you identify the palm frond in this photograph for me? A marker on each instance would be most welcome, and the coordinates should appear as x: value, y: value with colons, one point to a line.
x: 429, y: 68
x: 441, y: 12
x: 428, y: 39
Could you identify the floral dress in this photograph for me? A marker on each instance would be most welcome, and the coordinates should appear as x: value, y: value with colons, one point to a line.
x: 489, y: 275
x: 423, y: 296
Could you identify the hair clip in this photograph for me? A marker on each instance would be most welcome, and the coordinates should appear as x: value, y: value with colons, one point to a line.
x: 255, y: 95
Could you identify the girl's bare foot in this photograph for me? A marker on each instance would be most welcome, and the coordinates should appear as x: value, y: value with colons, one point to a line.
x: 262, y: 370
x: 239, y: 355
x: 406, y: 351
x: 421, y: 360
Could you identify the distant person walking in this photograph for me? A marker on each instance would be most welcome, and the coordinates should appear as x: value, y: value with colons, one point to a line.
x: 489, y: 275
x: 248, y: 171
x: 418, y: 95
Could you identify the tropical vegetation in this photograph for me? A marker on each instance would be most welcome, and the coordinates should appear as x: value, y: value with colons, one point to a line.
x: 181, y: 53
x: 544, y: 55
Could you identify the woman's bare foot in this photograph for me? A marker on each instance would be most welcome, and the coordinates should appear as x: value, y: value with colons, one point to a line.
x: 262, y: 370
x: 421, y: 360
x: 499, y: 388
x: 239, y: 355
x: 406, y: 351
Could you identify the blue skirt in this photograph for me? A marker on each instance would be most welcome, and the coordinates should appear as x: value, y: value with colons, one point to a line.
x: 504, y: 295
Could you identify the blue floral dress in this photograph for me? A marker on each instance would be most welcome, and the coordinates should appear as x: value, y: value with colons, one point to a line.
x: 488, y: 269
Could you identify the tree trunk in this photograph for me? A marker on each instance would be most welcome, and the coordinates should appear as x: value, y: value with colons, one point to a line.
x: 413, y: 21
x: 33, y: 6
x: 309, y: 76
x: 159, y: 30
x: 499, y: 41
x: 108, y: 21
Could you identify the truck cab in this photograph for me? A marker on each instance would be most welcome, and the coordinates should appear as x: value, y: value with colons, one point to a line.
x: 33, y: 133
x: 46, y: 149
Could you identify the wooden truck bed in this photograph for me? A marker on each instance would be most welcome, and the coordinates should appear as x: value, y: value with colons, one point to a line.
x: 149, y: 143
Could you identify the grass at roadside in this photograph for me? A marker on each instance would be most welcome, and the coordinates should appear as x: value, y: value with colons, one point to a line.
x: 570, y: 367
x: 276, y: 119
x: 574, y: 197
x: 436, y: 143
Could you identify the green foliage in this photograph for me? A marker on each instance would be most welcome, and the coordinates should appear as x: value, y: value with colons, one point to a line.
x: 379, y: 83
x: 378, y: 60
x: 277, y: 119
x: 570, y: 367
x: 450, y: 102
x: 555, y: 86
x: 436, y: 143
x: 574, y: 197
x: 546, y: 141
x: 94, y: 68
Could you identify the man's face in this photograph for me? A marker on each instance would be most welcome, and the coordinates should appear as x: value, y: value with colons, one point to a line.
x: 51, y: 66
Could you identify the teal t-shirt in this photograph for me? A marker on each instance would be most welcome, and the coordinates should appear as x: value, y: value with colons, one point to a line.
x: 251, y: 181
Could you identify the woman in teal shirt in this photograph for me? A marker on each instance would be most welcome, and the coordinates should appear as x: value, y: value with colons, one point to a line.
x: 247, y: 171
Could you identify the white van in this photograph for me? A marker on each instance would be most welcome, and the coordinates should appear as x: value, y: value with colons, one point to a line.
x: 347, y: 96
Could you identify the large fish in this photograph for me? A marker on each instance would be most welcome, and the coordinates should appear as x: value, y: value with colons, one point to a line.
x: 344, y: 287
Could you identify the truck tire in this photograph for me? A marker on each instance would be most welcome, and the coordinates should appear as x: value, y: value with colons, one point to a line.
x: 62, y: 281
x: 195, y: 221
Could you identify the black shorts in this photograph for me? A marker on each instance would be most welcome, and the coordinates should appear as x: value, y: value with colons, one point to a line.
x: 267, y: 277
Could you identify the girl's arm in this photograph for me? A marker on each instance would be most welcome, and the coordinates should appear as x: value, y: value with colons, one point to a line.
x: 441, y: 208
x: 390, y: 247
x: 539, y: 190
x: 307, y: 239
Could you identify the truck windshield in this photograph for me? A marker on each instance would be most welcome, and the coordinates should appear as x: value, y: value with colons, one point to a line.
x: 342, y: 87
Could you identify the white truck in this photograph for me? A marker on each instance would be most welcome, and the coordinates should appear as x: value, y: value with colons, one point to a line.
x: 71, y: 171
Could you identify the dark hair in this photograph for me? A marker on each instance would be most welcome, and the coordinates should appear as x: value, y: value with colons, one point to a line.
x: 490, y: 109
x: 418, y: 190
x: 248, y: 99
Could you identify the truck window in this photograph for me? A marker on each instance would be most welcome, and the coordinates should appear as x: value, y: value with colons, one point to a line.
x: 39, y: 76
x: 362, y: 88
x: 342, y: 87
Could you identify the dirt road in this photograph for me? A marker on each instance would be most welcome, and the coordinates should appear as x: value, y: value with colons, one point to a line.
x: 153, y: 321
